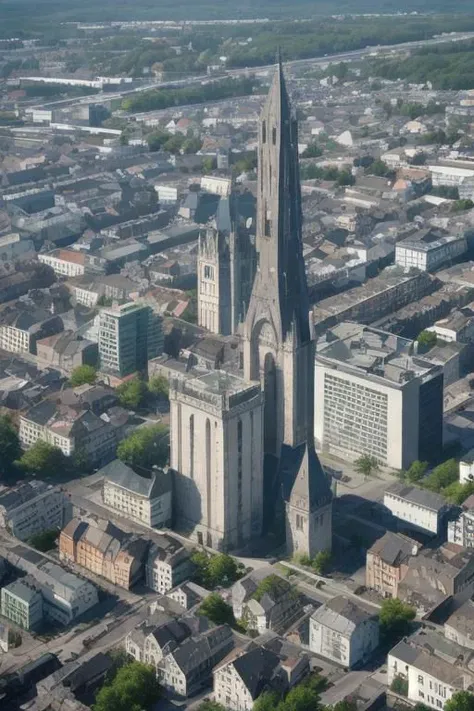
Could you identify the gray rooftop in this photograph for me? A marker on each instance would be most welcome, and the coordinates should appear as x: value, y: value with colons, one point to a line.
x: 369, y: 352
x: 125, y: 477
x: 342, y: 615
x: 413, y: 494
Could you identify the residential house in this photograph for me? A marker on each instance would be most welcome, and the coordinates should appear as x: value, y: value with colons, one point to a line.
x: 71, y: 429
x: 427, y: 669
x: 386, y: 562
x: 168, y: 564
x: 270, y: 603
x: 188, y: 595
x: 461, y: 529
x: 66, y: 351
x: 104, y: 550
x: 20, y: 329
x: 139, y: 498
x: 188, y: 668
x: 31, y: 508
x: 275, y: 665
x: 436, y: 575
x: 459, y: 627
x: 344, y: 631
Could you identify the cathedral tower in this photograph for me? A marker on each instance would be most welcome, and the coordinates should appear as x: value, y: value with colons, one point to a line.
x: 278, y: 346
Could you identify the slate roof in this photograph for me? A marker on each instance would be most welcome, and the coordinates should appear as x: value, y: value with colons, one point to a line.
x: 341, y: 615
x: 256, y: 669
x: 417, y: 496
x: 393, y: 548
x: 124, y: 476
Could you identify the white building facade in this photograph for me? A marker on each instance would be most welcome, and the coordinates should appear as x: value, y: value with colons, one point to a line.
x: 344, y: 632
x: 422, y: 510
x: 62, y: 265
x: 32, y: 508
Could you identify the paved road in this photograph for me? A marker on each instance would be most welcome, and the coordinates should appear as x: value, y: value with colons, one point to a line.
x: 313, y: 61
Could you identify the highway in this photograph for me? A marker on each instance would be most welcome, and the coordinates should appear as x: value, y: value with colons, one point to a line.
x: 243, y: 71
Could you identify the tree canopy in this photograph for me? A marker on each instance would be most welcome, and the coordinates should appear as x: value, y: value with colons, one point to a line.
x: 366, y: 465
x: 216, y: 570
x: 159, y: 385
x: 460, y: 701
x: 427, y: 339
x: 82, y: 375
x: 132, y: 393
x: 217, y: 610
x: 10, y: 449
x: 145, y: 447
x: 43, y: 459
x: 134, y: 688
x: 395, y: 618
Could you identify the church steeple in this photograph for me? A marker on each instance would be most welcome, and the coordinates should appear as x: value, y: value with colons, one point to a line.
x: 279, y: 220
x: 278, y: 348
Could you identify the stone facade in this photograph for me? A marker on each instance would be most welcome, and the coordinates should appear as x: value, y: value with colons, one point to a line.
x: 216, y: 453
x: 277, y: 344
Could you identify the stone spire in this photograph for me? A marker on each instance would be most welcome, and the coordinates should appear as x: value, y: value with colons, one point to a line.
x: 279, y: 222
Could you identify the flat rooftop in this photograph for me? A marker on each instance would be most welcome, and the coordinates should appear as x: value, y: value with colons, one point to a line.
x: 218, y: 388
x: 368, y: 351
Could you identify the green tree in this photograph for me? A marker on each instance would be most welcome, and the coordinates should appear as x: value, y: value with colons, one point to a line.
x: 461, y: 205
x: 275, y: 586
x: 224, y: 569
x: 313, y: 150
x: 395, y: 618
x: 300, y: 698
x: 321, y: 562
x: 209, y: 164
x: 366, y: 465
x: 43, y: 459
x: 217, y: 610
x: 212, y: 706
x: 442, y: 476
x: 268, y: 701
x: 460, y: 701
x: 416, y: 471
x: 45, y: 540
x: 379, y: 168
x: 134, y: 688
x: 426, y: 340
x: 82, y: 375
x: 345, y: 705
x: 216, y: 570
x: 10, y: 449
x: 457, y: 493
x: 159, y: 385
x: 132, y: 393
x: 145, y: 447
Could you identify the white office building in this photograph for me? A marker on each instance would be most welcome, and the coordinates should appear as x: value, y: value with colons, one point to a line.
x: 421, y: 509
x: 453, y: 177
x: 429, y: 249
x: 373, y: 397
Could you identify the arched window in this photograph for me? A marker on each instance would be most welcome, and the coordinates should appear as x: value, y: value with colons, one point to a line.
x: 274, y: 136
x: 191, y: 446
x: 264, y: 131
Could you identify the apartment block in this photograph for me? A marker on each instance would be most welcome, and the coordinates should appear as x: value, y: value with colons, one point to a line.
x: 143, y: 499
x: 65, y: 262
x: 168, y: 564
x: 104, y: 550
x: 129, y: 336
x: 31, y: 508
x: 428, y: 249
x: 387, y: 561
x: 372, y: 396
x: 22, y: 603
